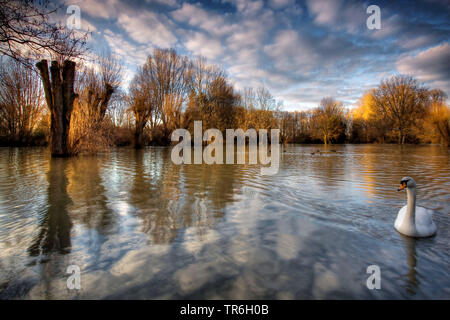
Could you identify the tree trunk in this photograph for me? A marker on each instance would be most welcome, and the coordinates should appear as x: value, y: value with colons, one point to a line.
x: 60, y: 96
x: 98, y: 104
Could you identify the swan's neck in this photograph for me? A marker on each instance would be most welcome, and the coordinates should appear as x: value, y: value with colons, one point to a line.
x: 411, y: 204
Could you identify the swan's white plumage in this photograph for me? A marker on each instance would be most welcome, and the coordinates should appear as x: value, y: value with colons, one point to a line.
x: 412, y: 220
x: 423, y: 223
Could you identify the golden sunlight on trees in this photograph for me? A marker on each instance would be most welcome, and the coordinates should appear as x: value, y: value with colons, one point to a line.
x: 27, y: 32
x: 89, y: 112
x: 219, y: 104
x: 327, y: 121
x: 400, y: 109
x: 157, y: 93
x: 60, y: 96
x: 201, y: 78
x: 21, y: 101
x: 401, y: 102
x: 368, y: 125
x: 141, y: 101
x: 96, y: 86
x: 438, y: 119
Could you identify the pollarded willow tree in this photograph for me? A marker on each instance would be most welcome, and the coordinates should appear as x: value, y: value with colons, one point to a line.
x: 205, y: 82
x: 142, y: 104
x: 158, y: 91
x: 27, y: 31
x: 98, y: 88
x: 59, y: 94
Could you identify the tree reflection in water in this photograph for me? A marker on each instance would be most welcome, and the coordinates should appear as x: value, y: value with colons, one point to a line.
x: 55, y: 225
x: 169, y: 197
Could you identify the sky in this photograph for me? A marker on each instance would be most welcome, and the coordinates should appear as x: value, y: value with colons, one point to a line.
x: 301, y: 51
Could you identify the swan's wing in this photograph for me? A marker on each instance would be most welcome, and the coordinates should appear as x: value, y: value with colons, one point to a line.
x: 400, y: 217
x: 424, y: 221
x: 424, y: 216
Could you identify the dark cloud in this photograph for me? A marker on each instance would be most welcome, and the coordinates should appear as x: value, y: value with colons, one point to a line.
x: 431, y: 66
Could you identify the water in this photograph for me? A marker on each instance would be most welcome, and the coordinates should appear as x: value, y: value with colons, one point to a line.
x: 140, y: 227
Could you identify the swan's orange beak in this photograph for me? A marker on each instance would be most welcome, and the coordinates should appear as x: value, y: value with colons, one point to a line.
x: 402, y: 186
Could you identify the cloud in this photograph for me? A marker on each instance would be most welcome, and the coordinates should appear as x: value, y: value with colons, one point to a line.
x: 325, y: 12
x: 200, y: 44
x: 250, y: 34
x: 129, y: 54
x: 132, y: 53
x: 279, y: 4
x: 170, y: 3
x: 196, y: 16
x: 349, y: 16
x: 431, y: 66
x: 247, y: 7
x: 300, y: 51
x: 105, y: 9
x: 147, y: 27
x: 416, y: 42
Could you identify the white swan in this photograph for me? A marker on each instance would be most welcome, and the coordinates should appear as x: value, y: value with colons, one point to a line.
x: 411, y: 220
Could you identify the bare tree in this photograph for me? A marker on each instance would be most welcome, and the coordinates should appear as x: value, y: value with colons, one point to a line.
x: 26, y: 29
x: 21, y: 100
x: 202, y: 79
x: 327, y: 120
x: 401, y: 100
x: 200, y: 75
x: 439, y: 115
x: 248, y: 98
x: 265, y: 101
x: 221, y: 102
x: 160, y: 88
x: 168, y: 73
x: 142, y: 102
x: 97, y: 84
x: 119, y: 110
x: 26, y: 26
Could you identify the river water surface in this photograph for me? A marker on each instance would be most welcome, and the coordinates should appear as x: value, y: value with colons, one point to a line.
x: 140, y: 227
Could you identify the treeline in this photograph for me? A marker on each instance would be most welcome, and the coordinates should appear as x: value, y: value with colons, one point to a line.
x: 171, y: 91
x: 400, y: 110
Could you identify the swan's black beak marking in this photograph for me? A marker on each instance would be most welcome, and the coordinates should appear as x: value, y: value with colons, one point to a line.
x: 402, y: 186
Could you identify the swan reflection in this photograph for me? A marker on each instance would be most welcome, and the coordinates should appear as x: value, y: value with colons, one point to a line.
x: 411, y: 255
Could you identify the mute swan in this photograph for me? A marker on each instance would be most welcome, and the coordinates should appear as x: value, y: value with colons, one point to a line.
x: 411, y: 220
